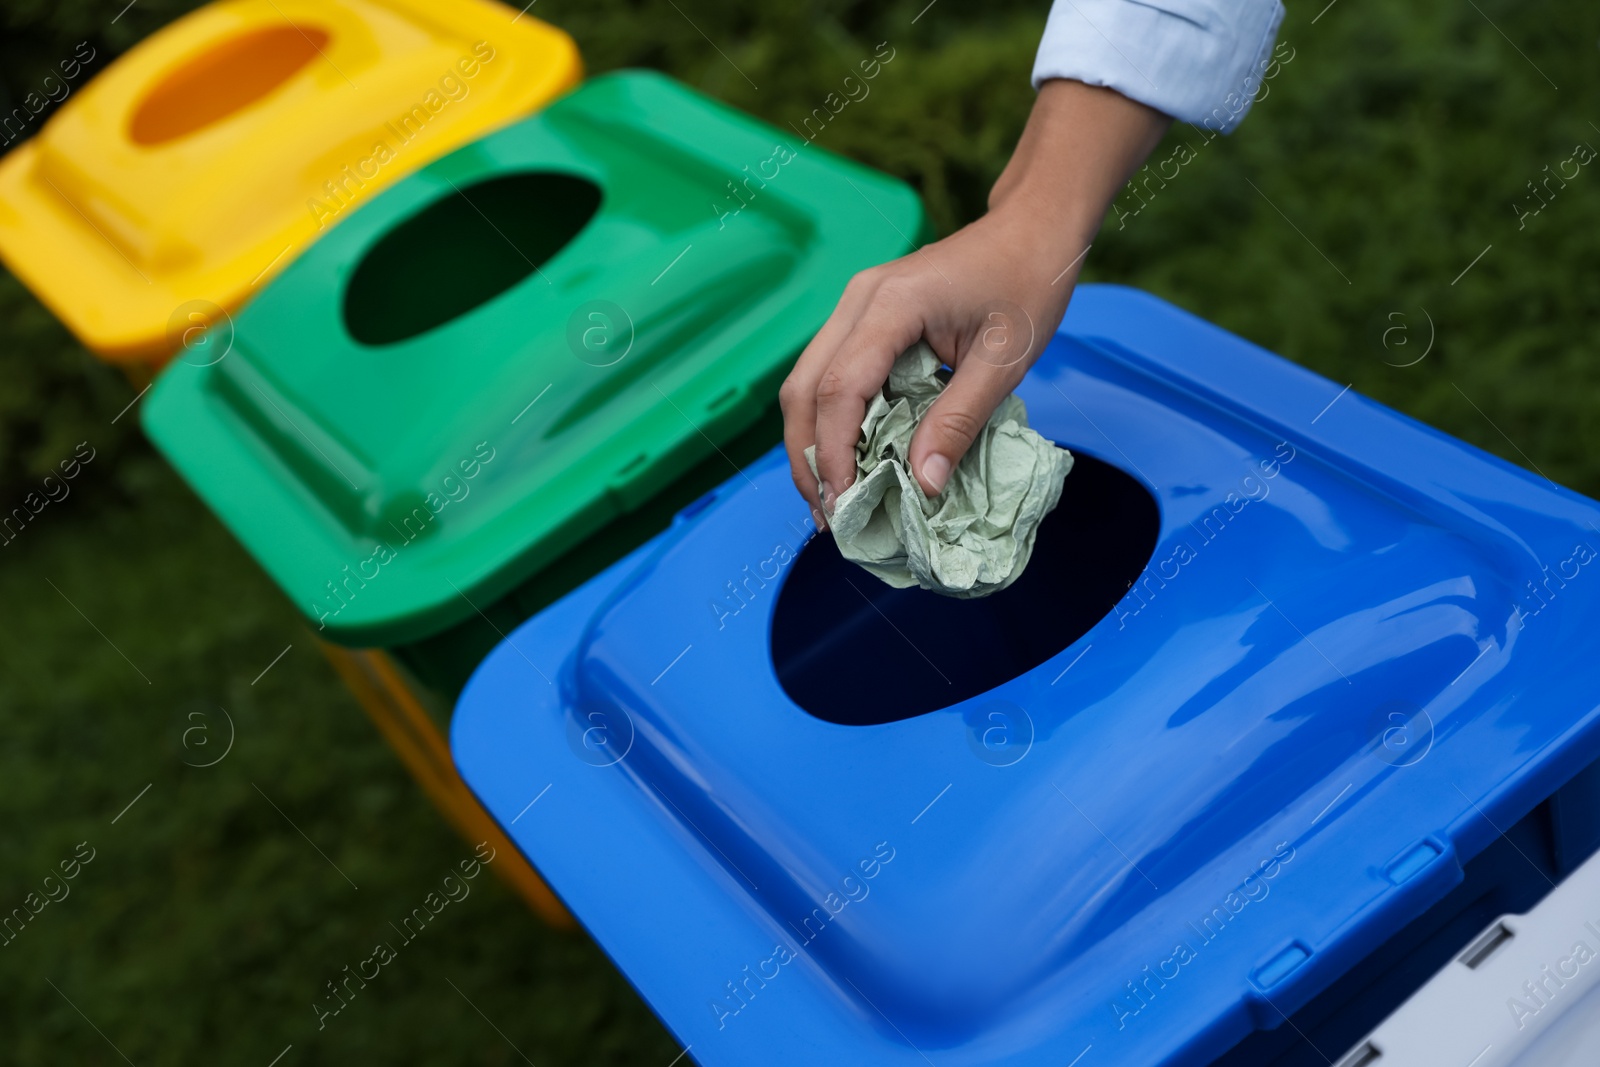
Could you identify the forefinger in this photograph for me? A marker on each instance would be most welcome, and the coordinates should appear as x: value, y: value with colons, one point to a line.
x: 798, y: 396
x: 857, y: 373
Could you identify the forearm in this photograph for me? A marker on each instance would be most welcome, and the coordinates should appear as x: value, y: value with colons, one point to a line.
x: 1079, y: 147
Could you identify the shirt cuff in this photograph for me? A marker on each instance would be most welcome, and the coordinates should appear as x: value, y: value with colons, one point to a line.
x: 1200, y: 61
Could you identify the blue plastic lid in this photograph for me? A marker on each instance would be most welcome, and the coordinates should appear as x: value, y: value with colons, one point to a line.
x: 1283, y: 661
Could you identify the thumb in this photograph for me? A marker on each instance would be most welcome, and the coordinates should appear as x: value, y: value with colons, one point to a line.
x: 956, y: 418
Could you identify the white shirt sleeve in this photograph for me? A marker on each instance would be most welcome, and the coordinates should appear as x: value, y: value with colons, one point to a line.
x: 1200, y: 61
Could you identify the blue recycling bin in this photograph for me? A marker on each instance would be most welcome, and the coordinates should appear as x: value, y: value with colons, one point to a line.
x: 1296, y: 695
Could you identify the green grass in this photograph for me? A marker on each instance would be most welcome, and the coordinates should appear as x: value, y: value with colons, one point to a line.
x: 206, y: 924
x: 1392, y: 146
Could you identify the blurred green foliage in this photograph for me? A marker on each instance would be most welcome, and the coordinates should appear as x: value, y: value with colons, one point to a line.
x: 1384, y: 157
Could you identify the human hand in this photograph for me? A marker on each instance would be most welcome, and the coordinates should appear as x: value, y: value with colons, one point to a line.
x: 986, y: 298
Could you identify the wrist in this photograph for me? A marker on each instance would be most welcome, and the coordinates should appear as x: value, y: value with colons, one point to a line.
x: 1046, y: 219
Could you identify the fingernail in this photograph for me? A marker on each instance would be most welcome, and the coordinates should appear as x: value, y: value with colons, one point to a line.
x: 936, y: 471
x: 827, y: 498
x: 820, y: 519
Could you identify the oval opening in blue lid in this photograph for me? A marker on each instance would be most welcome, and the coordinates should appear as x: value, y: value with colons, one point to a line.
x: 851, y: 650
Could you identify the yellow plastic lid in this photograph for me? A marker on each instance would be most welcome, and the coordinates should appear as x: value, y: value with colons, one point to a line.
x: 174, y: 185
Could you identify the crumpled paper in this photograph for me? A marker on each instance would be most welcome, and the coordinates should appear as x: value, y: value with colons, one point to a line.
x: 974, y: 538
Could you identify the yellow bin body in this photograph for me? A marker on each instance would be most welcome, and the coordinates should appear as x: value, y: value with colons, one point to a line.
x: 411, y: 732
x: 174, y: 185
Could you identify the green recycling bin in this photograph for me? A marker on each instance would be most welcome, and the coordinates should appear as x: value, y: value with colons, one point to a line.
x: 516, y: 364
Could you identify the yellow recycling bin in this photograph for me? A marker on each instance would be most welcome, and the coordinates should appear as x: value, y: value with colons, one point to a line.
x: 173, y: 186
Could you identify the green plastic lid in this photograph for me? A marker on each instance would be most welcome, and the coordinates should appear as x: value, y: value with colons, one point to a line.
x: 487, y: 363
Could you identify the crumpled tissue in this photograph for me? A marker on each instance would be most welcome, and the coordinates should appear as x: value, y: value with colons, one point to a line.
x: 974, y: 538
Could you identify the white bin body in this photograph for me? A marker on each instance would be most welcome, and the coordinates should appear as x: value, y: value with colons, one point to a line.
x: 1525, y: 993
